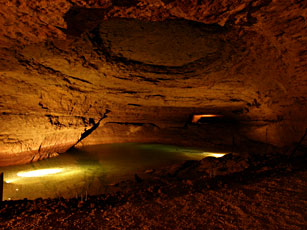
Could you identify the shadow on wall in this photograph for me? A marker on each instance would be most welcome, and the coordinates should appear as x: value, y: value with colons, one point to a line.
x: 80, y: 20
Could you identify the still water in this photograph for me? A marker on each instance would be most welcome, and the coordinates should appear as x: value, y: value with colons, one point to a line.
x: 91, y: 170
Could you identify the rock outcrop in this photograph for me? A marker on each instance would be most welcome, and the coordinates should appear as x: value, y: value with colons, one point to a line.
x: 90, y: 72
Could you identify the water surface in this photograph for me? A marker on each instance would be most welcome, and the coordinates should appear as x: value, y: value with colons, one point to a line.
x: 90, y: 170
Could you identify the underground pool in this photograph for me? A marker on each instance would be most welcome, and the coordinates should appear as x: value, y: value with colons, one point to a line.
x: 91, y: 170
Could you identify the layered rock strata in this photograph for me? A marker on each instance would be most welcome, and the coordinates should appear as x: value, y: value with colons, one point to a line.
x: 92, y: 72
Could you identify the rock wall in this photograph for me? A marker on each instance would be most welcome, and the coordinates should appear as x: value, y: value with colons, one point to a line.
x: 89, y: 72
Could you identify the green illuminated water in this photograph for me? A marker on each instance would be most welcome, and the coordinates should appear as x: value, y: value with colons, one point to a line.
x: 90, y: 169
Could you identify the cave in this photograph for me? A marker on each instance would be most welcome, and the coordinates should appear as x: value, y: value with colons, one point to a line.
x: 210, y: 96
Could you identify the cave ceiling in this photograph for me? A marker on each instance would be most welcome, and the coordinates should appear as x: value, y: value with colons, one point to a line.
x: 91, y: 72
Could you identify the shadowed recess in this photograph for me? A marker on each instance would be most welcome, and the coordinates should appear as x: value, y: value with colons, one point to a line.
x: 167, y: 43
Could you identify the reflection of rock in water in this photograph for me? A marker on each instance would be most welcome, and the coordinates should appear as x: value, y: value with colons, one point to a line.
x: 93, y: 169
x: 94, y: 174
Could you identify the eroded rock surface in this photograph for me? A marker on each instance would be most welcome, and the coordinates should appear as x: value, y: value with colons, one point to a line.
x: 114, y: 70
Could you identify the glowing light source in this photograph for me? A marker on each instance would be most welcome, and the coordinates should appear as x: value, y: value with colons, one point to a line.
x: 217, y: 155
x: 28, y: 177
x: 39, y: 173
x: 196, y: 118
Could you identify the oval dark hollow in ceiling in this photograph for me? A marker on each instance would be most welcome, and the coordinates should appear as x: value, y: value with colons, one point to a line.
x: 136, y: 72
x: 170, y: 43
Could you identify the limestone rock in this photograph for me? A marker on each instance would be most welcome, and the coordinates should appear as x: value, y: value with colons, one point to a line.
x: 118, y: 71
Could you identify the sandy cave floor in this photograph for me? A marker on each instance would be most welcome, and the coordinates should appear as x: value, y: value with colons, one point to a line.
x: 260, y: 196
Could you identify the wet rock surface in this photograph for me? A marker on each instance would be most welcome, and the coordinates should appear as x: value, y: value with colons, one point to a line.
x: 244, y: 192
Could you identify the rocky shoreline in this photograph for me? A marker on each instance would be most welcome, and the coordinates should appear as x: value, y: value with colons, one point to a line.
x: 182, y: 196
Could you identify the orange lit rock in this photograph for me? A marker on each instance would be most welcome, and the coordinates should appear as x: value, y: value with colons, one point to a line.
x: 63, y: 65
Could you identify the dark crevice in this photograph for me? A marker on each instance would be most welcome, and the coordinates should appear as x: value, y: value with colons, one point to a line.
x: 42, y: 106
x: 43, y: 69
x: 77, y: 89
x: 53, y: 120
x: 32, y: 159
x: 145, y: 79
x: 95, y: 126
x: 123, y: 91
x: 125, y: 3
x: 140, y: 78
x: 79, y: 79
x: 137, y: 105
x: 39, y: 148
x: 129, y: 92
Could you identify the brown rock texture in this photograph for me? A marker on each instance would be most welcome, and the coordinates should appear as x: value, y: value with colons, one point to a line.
x: 92, y: 72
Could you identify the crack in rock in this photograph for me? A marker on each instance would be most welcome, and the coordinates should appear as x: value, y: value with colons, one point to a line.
x: 95, y: 126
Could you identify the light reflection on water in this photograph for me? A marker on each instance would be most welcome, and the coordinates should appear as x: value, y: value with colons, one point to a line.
x: 90, y: 169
